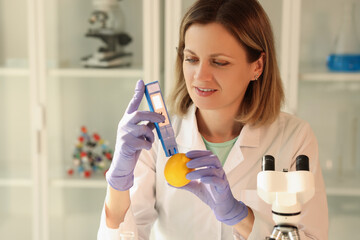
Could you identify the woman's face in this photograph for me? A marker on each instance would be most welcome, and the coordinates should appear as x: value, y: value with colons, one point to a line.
x: 215, y: 67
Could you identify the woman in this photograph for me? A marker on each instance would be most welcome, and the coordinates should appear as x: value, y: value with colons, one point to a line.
x: 226, y: 99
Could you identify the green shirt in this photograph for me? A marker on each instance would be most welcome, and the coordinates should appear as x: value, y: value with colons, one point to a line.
x: 221, y: 150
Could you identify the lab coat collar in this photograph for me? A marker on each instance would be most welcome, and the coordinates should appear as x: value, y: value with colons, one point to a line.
x: 191, y: 138
x: 249, y: 136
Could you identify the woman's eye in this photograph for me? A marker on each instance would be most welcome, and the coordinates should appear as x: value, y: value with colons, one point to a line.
x: 220, y: 63
x: 190, y: 60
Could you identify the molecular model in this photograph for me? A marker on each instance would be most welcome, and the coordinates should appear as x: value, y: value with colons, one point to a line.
x: 91, y: 155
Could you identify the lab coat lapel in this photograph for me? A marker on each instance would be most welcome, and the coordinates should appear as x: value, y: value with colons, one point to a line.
x: 239, y: 160
x: 188, y: 135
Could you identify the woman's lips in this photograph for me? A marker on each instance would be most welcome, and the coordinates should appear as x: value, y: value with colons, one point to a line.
x: 204, y: 92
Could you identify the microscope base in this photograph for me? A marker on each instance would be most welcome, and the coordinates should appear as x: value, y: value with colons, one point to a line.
x: 109, y: 60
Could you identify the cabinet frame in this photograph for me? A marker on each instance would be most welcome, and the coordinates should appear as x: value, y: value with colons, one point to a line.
x: 38, y: 74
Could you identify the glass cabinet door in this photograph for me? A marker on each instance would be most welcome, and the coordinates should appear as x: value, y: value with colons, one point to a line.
x: 16, y: 210
x: 84, y: 106
x: 330, y: 102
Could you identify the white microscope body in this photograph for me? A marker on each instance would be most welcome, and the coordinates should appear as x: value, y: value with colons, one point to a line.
x: 107, y: 23
x: 286, y: 192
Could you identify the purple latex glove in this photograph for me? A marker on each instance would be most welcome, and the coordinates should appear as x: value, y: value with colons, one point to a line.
x: 131, y: 138
x: 213, y: 187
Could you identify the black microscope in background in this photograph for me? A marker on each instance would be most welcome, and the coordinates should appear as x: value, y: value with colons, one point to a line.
x: 107, y: 24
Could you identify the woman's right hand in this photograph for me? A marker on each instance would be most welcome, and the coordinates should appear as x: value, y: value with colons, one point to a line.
x: 131, y: 138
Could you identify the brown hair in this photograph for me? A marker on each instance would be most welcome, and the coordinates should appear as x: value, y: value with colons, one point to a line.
x: 247, y: 21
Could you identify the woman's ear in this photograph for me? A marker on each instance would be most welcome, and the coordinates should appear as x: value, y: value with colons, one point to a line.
x: 258, y: 66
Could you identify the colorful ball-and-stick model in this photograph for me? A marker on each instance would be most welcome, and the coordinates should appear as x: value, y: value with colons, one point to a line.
x: 91, y: 155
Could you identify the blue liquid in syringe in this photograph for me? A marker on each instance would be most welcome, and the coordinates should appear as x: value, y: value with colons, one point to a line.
x: 344, y: 62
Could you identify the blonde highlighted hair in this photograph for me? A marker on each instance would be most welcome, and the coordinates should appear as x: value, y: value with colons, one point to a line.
x: 247, y: 21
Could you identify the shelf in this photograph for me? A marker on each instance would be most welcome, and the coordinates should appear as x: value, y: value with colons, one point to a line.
x: 319, y: 73
x: 79, y: 183
x: 97, y: 73
x: 75, y: 226
x: 343, y: 191
x: 330, y: 76
x: 14, y: 72
x: 17, y: 226
x: 343, y: 186
x: 15, y: 183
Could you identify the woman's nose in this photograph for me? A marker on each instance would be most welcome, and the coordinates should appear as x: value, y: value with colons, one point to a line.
x: 203, y: 72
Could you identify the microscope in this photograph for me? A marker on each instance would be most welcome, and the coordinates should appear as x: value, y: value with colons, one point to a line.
x: 107, y: 24
x: 286, y: 192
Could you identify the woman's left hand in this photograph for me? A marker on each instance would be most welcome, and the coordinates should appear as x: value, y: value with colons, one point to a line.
x: 213, y: 187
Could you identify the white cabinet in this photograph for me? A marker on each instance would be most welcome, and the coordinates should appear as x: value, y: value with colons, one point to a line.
x: 95, y: 98
x: 16, y: 186
x: 46, y: 96
x: 330, y: 102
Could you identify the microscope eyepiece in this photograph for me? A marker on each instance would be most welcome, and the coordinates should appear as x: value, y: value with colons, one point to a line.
x: 302, y: 163
x: 268, y: 163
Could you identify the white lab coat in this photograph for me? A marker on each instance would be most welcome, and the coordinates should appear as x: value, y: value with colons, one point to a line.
x: 174, y: 214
